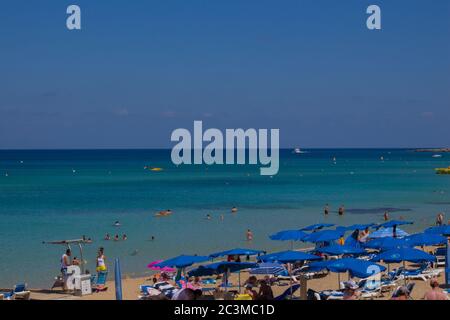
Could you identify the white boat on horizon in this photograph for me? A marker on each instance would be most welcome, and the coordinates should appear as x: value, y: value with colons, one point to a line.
x: 298, y: 151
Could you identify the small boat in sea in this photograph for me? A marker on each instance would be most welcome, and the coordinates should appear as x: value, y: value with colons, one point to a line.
x: 298, y: 151
x: 442, y: 170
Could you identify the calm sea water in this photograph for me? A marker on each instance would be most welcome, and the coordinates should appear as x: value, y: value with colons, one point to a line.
x: 52, y: 195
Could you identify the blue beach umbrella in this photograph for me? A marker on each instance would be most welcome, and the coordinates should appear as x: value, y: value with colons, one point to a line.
x: 443, y: 230
x: 224, y: 267
x: 182, y: 261
x: 338, y: 250
x: 237, y: 252
x: 359, y: 226
x: 324, y: 236
x: 394, y: 223
x: 386, y: 243
x: 356, y: 267
x: 272, y: 268
x: 398, y: 255
x: 288, y: 235
x: 388, y: 232
x: 289, y: 257
x: 317, y: 226
x: 220, y: 267
x: 425, y: 239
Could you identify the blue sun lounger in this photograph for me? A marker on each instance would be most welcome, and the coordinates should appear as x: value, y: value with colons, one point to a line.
x: 288, y: 292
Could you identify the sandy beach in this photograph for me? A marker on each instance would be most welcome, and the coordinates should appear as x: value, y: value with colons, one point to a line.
x: 130, y: 287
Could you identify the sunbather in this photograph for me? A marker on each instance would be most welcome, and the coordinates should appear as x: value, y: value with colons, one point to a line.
x: 350, y: 291
x: 402, y: 293
x: 435, y: 293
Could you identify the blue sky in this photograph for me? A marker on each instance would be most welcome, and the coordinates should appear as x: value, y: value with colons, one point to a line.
x: 139, y: 69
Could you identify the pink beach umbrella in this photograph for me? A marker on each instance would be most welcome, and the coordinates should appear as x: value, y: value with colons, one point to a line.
x: 152, y: 266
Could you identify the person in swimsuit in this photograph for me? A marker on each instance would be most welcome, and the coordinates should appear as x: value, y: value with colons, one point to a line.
x: 341, y: 210
x: 435, y: 293
x: 101, y: 261
x: 440, y: 219
x: 249, y: 235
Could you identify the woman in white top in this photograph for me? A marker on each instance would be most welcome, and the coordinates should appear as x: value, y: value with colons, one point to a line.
x: 101, y: 264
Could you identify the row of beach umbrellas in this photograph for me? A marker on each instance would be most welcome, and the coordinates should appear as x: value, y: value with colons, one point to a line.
x: 391, y: 250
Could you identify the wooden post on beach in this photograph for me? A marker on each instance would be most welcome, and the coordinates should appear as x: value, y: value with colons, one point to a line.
x: 303, y: 288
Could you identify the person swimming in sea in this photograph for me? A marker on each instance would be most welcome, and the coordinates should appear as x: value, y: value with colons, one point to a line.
x: 116, y: 237
x: 164, y: 213
x: 341, y: 210
x: 124, y: 237
x: 117, y: 223
x: 234, y: 209
x: 208, y: 217
x: 107, y: 237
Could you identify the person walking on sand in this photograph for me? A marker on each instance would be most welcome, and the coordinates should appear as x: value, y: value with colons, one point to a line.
x: 326, y: 209
x: 249, y: 235
x: 341, y: 210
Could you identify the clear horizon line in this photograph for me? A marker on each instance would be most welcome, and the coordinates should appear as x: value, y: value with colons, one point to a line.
x: 169, y: 148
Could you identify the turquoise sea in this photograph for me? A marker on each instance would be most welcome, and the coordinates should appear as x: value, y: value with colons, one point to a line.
x: 52, y: 195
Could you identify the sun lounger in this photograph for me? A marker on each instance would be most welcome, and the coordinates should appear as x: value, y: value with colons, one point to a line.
x: 440, y: 255
x: 288, y: 292
x: 331, y: 295
x: 19, y: 292
x: 410, y: 286
x: 424, y: 272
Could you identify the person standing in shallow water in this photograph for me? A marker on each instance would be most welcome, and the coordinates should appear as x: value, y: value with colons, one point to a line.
x: 326, y: 209
x: 386, y: 216
x: 249, y: 235
x: 341, y: 210
x: 440, y: 219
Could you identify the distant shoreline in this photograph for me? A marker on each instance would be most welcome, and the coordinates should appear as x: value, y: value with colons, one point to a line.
x: 433, y: 150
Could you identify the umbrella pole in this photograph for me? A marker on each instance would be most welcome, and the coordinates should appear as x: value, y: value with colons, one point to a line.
x: 339, y: 280
x: 239, y: 279
x: 226, y: 281
x: 404, y: 268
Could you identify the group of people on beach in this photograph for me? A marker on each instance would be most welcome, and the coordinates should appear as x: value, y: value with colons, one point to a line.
x: 192, y: 288
x: 67, y: 261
